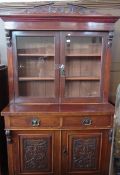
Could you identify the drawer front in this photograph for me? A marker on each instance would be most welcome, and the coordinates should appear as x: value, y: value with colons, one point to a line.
x: 64, y: 122
x: 29, y: 121
x: 88, y: 121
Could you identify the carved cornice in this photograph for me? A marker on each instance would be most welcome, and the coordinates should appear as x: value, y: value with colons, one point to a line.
x: 86, y: 3
x: 54, y: 12
x: 51, y: 8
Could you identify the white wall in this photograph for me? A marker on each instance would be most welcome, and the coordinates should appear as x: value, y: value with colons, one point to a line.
x: 1, y: 1
x: 3, y: 49
x: 115, y: 66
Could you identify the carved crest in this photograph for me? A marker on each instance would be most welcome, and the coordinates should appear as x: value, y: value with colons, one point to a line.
x: 51, y: 8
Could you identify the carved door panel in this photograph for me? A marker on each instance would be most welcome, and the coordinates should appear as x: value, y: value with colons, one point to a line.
x: 85, y: 152
x: 36, y: 152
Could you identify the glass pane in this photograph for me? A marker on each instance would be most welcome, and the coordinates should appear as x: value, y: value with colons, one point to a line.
x: 83, y: 45
x: 37, y: 88
x: 82, y: 88
x: 83, y: 66
x: 36, y: 66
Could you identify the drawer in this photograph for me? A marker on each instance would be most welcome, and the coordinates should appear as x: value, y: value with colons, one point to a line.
x: 88, y: 121
x: 29, y: 121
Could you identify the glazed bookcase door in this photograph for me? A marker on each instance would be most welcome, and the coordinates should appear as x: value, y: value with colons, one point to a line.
x: 34, y: 153
x: 85, y: 152
x: 82, y: 69
x: 36, y: 56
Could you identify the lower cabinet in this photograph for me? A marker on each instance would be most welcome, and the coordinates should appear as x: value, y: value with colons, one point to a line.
x: 85, y: 152
x: 59, y: 151
x: 34, y: 152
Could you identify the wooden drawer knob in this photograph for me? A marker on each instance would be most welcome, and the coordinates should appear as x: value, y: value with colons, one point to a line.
x: 35, y: 122
x: 86, y: 121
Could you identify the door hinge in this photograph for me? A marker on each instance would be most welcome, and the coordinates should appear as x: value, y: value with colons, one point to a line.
x: 9, y: 38
x: 8, y: 136
x: 110, y: 39
x: 110, y: 135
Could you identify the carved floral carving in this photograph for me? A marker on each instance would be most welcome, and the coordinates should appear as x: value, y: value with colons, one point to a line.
x: 52, y: 8
x: 36, y: 154
x: 84, y: 153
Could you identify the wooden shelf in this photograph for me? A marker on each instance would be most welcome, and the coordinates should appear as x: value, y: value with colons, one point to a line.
x: 35, y: 55
x: 83, y: 55
x: 35, y: 78
x: 83, y: 78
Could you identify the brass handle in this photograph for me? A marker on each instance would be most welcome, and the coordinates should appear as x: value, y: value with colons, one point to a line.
x: 86, y: 121
x: 62, y: 70
x: 35, y: 122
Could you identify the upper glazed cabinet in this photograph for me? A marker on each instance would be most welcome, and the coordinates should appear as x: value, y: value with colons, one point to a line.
x: 60, y: 66
x: 36, y: 59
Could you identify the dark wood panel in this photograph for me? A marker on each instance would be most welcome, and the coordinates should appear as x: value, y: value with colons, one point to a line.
x: 3, y: 102
x: 3, y: 87
x: 37, y: 154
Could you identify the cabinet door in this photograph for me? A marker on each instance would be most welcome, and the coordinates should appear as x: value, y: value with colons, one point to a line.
x: 36, y: 56
x: 34, y: 152
x: 85, y: 152
x: 82, y: 68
